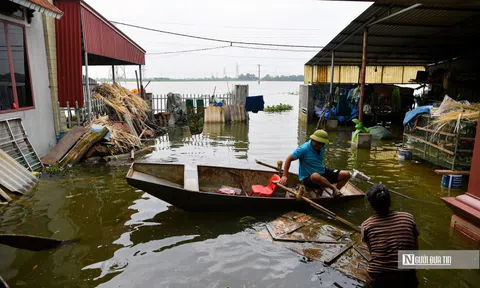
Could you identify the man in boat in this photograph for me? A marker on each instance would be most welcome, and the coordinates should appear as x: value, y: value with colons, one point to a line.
x: 312, y: 170
x: 385, y: 233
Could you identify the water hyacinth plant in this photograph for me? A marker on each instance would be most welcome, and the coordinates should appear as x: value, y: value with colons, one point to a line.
x: 278, y: 108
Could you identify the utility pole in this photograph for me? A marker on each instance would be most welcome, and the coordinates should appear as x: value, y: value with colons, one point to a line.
x: 236, y: 75
x: 258, y: 73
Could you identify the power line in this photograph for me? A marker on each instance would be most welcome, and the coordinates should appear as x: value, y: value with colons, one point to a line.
x: 275, y: 49
x: 246, y: 57
x: 186, y: 51
x: 214, y: 39
x: 236, y: 46
x: 229, y: 27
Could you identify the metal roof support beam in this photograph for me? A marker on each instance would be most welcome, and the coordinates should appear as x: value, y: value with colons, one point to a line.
x: 394, y: 14
x: 113, y: 74
x: 332, y: 64
x: 87, y: 81
x: 385, y: 36
x: 141, y: 83
x: 377, y: 46
x: 362, y: 75
x: 407, y: 24
x: 358, y: 29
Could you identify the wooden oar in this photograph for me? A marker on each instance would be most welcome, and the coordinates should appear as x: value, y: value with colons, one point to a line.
x: 33, y: 243
x: 269, y: 166
x: 320, y: 208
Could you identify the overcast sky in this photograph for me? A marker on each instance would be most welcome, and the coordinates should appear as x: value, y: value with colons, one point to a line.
x: 296, y: 22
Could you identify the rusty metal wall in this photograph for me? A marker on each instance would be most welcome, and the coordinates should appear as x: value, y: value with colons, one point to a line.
x: 69, y: 52
x: 104, y: 39
x: 350, y: 74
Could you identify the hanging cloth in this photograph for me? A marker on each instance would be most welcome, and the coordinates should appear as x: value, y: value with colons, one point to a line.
x: 395, y: 101
x: 254, y: 103
x: 343, y: 108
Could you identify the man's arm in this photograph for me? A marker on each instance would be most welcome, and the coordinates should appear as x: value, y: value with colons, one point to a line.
x: 286, y: 168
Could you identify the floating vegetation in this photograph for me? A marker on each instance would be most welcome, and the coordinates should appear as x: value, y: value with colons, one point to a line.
x: 278, y: 108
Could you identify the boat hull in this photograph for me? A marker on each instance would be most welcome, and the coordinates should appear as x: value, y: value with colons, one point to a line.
x: 216, y: 202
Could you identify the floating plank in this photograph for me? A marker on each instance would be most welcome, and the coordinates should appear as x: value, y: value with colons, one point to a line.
x: 451, y: 172
x: 320, y: 241
x: 64, y: 145
x: 82, y: 147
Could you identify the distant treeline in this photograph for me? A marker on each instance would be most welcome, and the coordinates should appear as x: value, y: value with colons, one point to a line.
x: 241, y: 77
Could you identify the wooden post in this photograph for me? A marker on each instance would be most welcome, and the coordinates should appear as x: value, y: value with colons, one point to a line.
x: 362, y: 76
x: 69, y: 115
x: 59, y: 117
x: 77, y: 113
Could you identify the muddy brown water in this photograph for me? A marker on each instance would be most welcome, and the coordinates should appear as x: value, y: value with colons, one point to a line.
x: 130, y: 239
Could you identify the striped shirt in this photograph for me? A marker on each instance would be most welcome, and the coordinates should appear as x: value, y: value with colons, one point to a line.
x: 386, y: 235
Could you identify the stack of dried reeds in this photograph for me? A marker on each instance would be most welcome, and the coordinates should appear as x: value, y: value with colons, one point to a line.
x: 123, y: 105
x: 121, y: 101
x: 453, y: 114
x: 457, y: 111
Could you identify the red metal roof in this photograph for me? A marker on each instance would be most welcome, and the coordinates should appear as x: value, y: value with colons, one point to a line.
x: 103, y: 38
x: 69, y: 53
x: 41, y: 6
x: 105, y: 44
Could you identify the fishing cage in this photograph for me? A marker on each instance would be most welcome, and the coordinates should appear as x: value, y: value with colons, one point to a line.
x: 449, y: 146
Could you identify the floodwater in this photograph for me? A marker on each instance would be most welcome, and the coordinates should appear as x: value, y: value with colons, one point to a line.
x: 130, y: 239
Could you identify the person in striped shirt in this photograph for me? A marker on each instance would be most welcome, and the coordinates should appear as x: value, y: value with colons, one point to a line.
x: 385, y: 233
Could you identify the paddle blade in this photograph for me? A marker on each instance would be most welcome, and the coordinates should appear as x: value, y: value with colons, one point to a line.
x: 33, y: 243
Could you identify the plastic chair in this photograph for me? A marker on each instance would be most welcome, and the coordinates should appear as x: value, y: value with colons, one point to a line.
x: 266, y: 191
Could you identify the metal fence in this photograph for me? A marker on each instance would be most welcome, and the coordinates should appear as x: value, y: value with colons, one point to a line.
x: 74, y: 115
x: 159, y: 102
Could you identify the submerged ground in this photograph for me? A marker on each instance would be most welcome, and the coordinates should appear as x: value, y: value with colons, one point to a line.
x: 130, y: 239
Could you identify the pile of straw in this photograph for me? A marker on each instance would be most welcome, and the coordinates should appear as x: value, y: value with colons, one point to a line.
x: 458, y: 111
x: 123, y: 141
x: 122, y: 101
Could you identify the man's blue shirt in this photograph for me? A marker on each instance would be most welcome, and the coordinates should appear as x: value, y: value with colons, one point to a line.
x: 310, y: 161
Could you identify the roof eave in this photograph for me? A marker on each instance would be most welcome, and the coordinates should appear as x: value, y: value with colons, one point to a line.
x: 39, y: 8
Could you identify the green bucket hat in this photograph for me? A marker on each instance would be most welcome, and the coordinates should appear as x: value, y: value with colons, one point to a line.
x: 320, y: 136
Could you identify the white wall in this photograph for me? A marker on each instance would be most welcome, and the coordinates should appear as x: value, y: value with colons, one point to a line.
x: 38, y: 122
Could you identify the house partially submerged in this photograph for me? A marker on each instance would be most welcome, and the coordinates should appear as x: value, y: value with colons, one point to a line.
x: 24, y: 83
x: 389, y: 41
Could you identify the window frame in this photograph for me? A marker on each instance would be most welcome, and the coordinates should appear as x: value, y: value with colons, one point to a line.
x: 5, y: 24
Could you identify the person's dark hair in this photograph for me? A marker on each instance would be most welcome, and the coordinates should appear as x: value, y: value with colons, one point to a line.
x: 379, y: 198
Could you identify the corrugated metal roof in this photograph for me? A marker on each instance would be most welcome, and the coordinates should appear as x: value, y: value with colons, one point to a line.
x: 13, y: 176
x: 69, y: 53
x: 420, y: 36
x: 105, y: 43
x: 104, y: 39
x: 42, y: 6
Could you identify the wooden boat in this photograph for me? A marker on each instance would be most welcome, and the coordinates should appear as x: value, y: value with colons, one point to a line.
x: 195, y: 188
